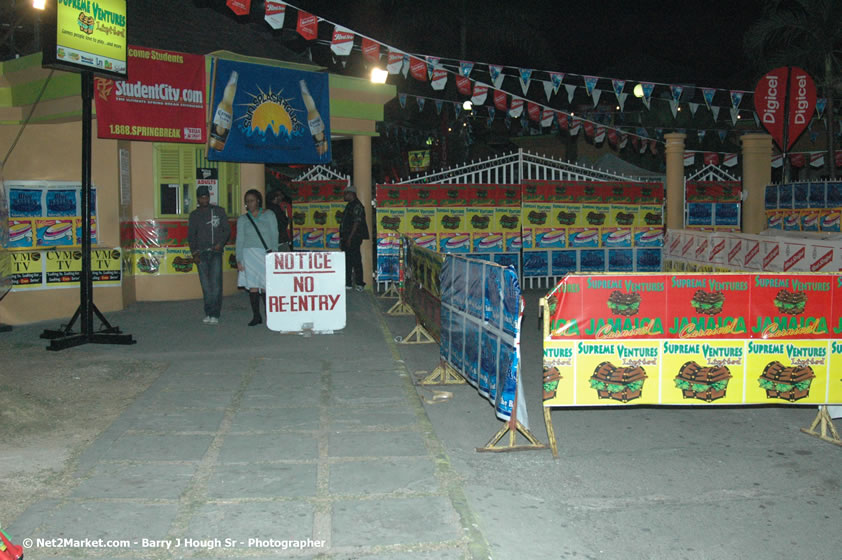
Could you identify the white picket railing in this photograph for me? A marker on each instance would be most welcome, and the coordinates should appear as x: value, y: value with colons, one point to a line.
x: 711, y: 173
x: 513, y: 168
x: 323, y: 173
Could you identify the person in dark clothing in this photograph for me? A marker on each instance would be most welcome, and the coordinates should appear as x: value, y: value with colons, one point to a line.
x: 352, y: 231
x: 276, y: 204
x: 207, y: 232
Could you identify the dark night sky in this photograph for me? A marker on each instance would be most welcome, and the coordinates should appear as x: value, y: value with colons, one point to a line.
x: 656, y: 40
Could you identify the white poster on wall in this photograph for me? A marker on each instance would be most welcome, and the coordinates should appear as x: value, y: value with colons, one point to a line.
x: 209, y: 177
x: 305, y: 291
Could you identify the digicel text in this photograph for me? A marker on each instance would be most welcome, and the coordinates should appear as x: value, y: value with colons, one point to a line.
x: 771, y: 99
x: 801, y: 102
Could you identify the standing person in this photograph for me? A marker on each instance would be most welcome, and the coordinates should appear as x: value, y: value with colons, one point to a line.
x: 207, y: 232
x: 257, y: 234
x: 352, y: 231
x: 275, y: 201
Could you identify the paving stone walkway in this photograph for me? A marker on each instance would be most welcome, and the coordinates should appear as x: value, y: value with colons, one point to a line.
x: 253, y: 444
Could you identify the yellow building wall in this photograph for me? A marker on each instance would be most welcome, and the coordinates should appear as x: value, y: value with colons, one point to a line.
x: 53, y: 152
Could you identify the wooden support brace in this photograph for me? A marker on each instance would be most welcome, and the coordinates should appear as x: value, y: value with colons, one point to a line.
x: 492, y: 446
x: 825, y: 424
x: 418, y: 335
x: 391, y: 292
x: 443, y: 375
x: 550, y: 432
x: 400, y: 308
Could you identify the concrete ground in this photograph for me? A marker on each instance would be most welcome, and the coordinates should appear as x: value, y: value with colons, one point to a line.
x: 252, y: 444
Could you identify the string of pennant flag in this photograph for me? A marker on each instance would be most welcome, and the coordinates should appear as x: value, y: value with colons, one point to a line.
x: 438, y: 70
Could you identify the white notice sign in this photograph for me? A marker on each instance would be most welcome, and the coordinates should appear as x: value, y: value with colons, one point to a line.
x: 305, y: 291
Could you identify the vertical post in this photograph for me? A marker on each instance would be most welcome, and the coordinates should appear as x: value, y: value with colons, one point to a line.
x: 675, y: 180
x: 787, y: 170
x: 362, y: 181
x: 86, y: 292
x: 757, y: 173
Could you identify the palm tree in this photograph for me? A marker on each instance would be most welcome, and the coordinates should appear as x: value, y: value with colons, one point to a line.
x: 804, y: 33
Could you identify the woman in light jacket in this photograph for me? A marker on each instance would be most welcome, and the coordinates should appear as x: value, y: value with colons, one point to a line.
x: 251, y: 250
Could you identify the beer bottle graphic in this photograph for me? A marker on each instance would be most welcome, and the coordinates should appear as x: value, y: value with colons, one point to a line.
x: 224, y: 115
x: 314, y: 120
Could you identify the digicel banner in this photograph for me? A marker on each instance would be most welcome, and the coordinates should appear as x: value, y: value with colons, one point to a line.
x: 802, y: 103
x: 163, y: 101
x: 770, y: 102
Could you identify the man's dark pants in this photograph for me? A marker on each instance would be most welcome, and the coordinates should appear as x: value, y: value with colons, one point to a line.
x: 210, y: 277
x: 354, y: 261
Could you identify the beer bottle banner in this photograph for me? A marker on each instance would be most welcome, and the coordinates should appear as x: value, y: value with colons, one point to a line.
x: 278, y: 115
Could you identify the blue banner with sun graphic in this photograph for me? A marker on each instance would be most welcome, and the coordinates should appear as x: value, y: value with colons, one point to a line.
x: 266, y: 114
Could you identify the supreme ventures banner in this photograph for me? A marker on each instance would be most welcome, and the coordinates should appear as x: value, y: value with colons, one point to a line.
x: 164, y: 101
x: 693, y: 339
x: 266, y: 114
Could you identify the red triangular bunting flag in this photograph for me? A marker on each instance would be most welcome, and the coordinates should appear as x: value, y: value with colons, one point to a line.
x: 547, y: 115
x: 463, y: 84
x: 439, y: 78
x: 563, y: 121
x: 838, y: 158
x: 516, y: 108
x: 307, y: 26
x: 612, y: 137
x: 534, y: 111
x: 371, y: 50
x: 418, y: 69
x: 239, y: 7
x: 729, y: 160
x: 500, y: 100
x: 275, y: 12
x: 343, y: 41
x: 797, y: 160
x: 589, y: 129
x: 395, y: 62
x: 711, y: 158
x: 480, y: 93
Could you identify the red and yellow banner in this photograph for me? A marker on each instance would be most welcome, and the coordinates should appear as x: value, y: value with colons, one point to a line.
x: 689, y: 306
x: 693, y: 339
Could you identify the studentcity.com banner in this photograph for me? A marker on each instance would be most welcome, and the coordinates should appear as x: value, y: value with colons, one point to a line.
x: 693, y: 339
x: 164, y: 101
x: 270, y: 120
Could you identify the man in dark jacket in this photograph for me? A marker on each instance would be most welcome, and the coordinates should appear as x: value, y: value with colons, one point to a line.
x: 275, y: 203
x: 352, y: 231
x: 207, y: 232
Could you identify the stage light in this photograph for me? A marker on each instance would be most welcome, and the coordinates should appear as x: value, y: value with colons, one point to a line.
x: 378, y: 75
